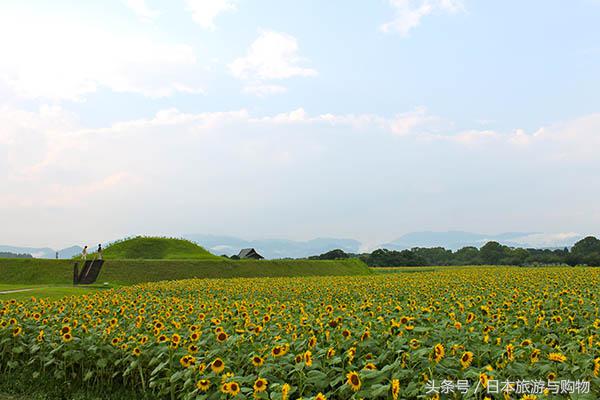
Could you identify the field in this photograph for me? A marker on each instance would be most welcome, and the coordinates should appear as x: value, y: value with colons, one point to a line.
x: 377, y: 336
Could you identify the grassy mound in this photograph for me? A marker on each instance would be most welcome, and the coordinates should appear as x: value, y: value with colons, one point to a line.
x: 156, y: 248
x: 125, y: 272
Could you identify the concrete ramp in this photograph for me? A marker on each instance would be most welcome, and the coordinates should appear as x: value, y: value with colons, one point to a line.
x: 89, y: 272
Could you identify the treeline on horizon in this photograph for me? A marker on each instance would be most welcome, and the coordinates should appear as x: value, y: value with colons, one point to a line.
x: 8, y: 254
x: 584, y: 252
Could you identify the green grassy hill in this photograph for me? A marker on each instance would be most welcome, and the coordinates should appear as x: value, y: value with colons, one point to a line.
x: 125, y: 272
x: 156, y: 248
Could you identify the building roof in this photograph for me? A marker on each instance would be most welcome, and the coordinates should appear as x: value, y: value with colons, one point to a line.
x: 245, y: 253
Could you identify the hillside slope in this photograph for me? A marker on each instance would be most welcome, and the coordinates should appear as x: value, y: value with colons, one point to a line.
x: 156, y: 248
x: 125, y: 272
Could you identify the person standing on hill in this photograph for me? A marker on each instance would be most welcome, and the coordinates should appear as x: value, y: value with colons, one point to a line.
x: 84, y: 253
x: 99, y: 252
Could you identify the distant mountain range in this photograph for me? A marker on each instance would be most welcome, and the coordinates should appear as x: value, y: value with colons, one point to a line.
x: 42, y: 252
x: 273, y: 248
x: 455, y: 240
x: 283, y: 248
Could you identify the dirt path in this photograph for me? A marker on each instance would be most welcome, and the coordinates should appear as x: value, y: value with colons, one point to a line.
x: 17, y: 290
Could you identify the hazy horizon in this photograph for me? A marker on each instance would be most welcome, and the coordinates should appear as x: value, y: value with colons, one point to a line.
x: 297, y: 120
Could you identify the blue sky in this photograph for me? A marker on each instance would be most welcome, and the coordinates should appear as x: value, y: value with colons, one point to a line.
x: 298, y: 119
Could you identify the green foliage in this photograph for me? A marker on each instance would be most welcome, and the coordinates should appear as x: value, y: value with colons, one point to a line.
x: 336, y: 254
x: 391, y: 258
x: 584, y: 252
x: 8, y: 254
x: 156, y: 248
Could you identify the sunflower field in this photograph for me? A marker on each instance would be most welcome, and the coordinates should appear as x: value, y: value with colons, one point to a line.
x: 379, y: 336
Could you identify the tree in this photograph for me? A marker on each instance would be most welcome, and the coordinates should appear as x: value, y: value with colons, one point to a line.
x: 336, y: 254
x: 467, y: 256
x: 492, y: 252
x: 586, y: 251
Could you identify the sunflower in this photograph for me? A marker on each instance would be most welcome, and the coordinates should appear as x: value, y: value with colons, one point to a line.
x: 136, y: 351
x: 67, y: 337
x: 470, y: 317
x: 370, y: 367
x: 225, y: 387
x: 551, y: 376
x: 257, y: 361
x: 192, y: 348
x: 17, y: 331
x: 187, y: 361
x: 353, y: 380
x: 395, y: 389
x: 529, y: 397
x: 466, y: 359
x: 484, y: 379
x: 65, y: 329
x: 203, y: 385
x: 597, y: 366
x: 176, y: 338
x: 285, y: 390
x: 260, y: 385
x: 535, y: 355
x: 330, y: 352
x: 312, y: 342
x: 277, y: 351
x: 351, y: 353
x: 438, y: 352
x: 526, y: 342
x: 308, y: 358
x: 162, y: 339
x: 222, y: 336
x: 234, y: 388
x: 217, y: 365
x: 414, y: 344
x: 320, y: 396
x: 510, y: 352
x: 558, y: 357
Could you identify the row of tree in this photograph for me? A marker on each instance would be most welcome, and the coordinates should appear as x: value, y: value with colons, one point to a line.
x: 584, y: 252
x: 8, y: 254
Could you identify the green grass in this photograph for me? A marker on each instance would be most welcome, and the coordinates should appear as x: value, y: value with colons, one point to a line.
x: 31, y: 272
x: 51, y: 292
x: 19, y: 385
x: 156, y: 248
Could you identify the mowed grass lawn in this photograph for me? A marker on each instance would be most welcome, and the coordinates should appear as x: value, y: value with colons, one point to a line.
x: 31, y: 272
x: 52, y: 292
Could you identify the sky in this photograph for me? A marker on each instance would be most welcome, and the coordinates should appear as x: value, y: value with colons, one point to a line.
x: 297, y: 119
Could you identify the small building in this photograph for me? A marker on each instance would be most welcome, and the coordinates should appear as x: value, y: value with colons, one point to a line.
x: 250, y: 253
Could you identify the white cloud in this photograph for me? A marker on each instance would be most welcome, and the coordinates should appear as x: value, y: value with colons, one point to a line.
x: 142, y: 10
x: 412, y: 122
x: 49, y: 61
x: 272, y: 56
x: 408, y: 13
x: 204, y: 12
x: 262, y: 90
x: 191, y: 168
